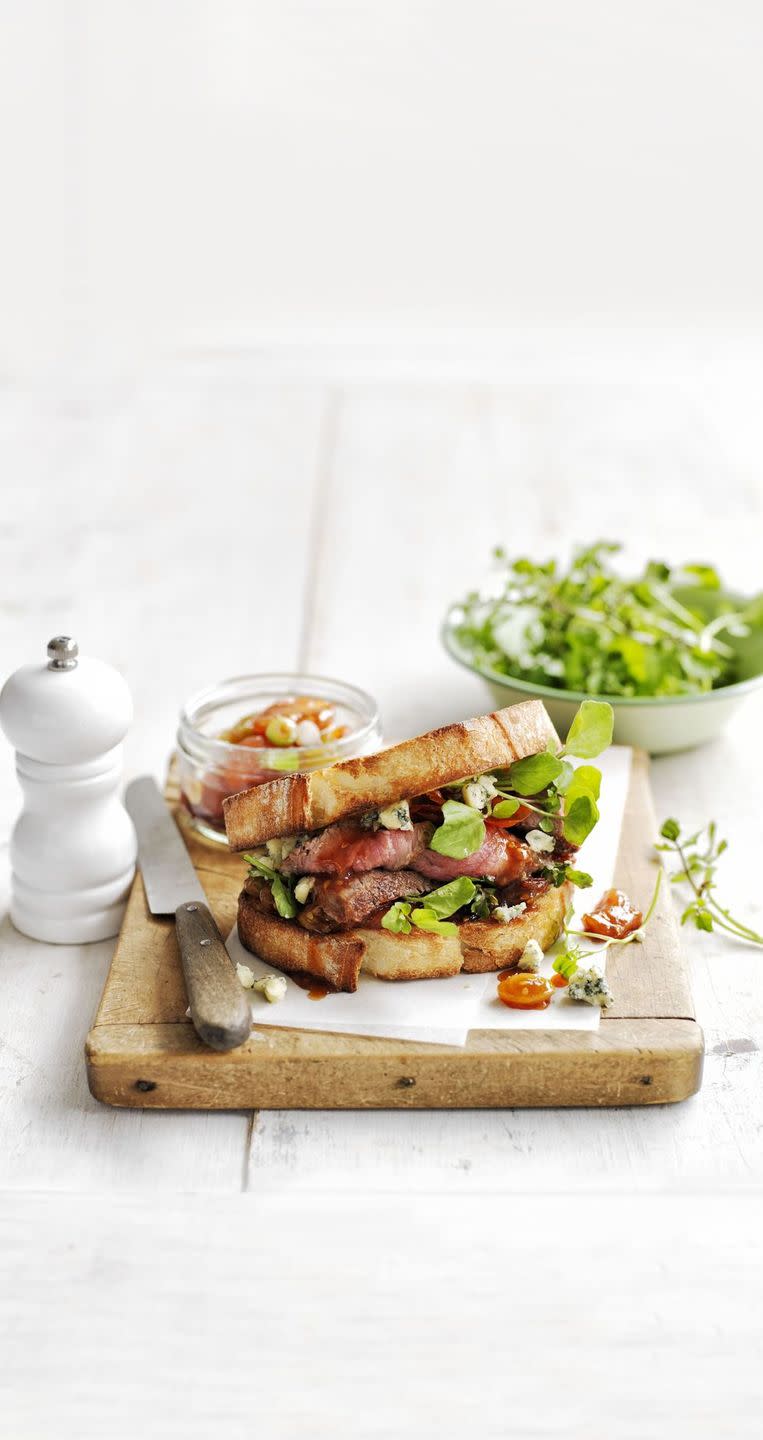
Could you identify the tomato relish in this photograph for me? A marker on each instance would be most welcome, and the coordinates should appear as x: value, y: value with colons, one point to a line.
x: 614, y: 916
x: 252, y: 729
x: 522, y: 991
x: 287, y: 726
x: 303, y: 720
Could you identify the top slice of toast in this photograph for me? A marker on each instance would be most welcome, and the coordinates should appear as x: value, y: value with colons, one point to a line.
x: 295, y: 803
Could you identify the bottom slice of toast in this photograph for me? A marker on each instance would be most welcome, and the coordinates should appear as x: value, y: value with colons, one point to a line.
x: 478, y: 946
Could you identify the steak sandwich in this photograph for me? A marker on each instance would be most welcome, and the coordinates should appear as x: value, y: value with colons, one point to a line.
x: 447, y: 852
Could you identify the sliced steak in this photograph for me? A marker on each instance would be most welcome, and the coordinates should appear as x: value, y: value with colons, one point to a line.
x: 341, y: 904
x: 348, y: 848
x: 527, y: 890
x: 261, y: 893
x: 501, y: 856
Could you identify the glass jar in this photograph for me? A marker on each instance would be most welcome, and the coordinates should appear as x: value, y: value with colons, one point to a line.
x: 211, y: 768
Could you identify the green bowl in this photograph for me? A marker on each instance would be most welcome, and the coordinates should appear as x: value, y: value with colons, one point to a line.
x: 660, y: 724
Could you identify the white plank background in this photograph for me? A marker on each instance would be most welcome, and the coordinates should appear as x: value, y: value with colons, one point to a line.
x: 353, y: 1274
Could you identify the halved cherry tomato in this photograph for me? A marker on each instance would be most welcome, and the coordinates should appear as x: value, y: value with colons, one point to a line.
x: 525, y: 992
x: 509, y: 821
x: 614, y: 917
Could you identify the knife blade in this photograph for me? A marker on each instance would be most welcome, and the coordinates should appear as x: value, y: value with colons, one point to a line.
x: 219, y: 1007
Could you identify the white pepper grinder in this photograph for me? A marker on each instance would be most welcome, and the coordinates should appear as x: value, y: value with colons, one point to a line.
x: 73, y: 847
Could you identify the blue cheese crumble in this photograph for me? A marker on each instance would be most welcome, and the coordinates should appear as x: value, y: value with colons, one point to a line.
x: 590, y: 985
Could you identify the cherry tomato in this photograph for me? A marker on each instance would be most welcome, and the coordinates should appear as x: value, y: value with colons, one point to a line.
x: 521, y: 991
x: 509, y: 821
x: 614, y: 916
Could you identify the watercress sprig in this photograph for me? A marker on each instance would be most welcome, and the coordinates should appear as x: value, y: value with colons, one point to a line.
x: 573, y: 790
x: 431, y: 912
x: 698, y: 855
x: 281, y: 887
x: 586, y: 627
x: 547, y: 781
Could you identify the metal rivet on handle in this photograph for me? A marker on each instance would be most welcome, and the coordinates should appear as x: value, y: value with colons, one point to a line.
x: 205, y: 942
x: 191, y: 907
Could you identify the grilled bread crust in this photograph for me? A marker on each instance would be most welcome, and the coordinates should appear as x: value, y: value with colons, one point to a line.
x: 479, y: 945
x: 295, y: 803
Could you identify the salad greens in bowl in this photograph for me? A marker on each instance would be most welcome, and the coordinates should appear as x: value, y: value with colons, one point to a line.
x: 671, y: 649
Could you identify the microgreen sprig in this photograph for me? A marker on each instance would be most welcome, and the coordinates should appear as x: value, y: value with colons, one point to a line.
x: 591, y: 985
x: 605, y: 942
x: 698, y: 855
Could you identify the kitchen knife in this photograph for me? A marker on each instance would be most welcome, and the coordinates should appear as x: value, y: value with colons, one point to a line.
x: 220, y: 1009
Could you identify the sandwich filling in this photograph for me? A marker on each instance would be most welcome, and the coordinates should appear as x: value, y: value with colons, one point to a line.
x: 478, y: 849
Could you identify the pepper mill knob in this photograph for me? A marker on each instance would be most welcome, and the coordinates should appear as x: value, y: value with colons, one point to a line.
x: 62, y: 653
x: 73, y: 847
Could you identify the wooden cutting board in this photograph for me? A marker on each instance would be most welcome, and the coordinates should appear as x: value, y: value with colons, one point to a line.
x: 143, y: 1051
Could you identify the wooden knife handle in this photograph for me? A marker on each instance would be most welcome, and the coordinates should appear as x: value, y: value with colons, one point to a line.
x: 220, y: 1009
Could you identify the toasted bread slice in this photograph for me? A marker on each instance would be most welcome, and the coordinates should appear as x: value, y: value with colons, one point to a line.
x: 295, y: 803
x: 480, y: 945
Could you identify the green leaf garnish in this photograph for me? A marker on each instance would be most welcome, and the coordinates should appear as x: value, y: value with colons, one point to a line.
x: 484, y: 903
x: 580, y: 819
x: 586, y: 780
x: 396, y: 918
x: 506, y: 808
x: 432, y: 910
x: 426, y: 919
x: 462, y: 832
x: 281, y: 889
x: 451, y: 897
x: 284, y: 901
x: 591, y: 730
x: 261, y: 867
x: 559, y: 874
x: 563, y: 778
x: 567, y: 963
x: 534, y: 774
x: 581, y: 878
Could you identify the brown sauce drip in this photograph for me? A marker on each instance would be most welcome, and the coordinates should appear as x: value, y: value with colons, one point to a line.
x: 316, y: 989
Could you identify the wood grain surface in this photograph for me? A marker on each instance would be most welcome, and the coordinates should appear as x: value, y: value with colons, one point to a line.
x: 142, y: 1051
x: 241, y: 1252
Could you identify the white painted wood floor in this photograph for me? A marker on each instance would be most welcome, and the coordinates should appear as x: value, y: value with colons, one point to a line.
x: 412, y: 1274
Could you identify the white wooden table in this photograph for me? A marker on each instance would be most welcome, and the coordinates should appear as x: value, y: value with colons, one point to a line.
x: 385, y: 1274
